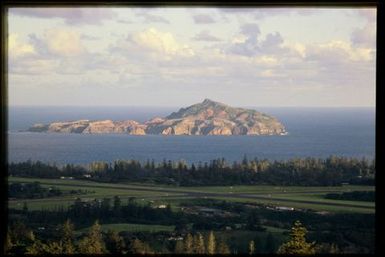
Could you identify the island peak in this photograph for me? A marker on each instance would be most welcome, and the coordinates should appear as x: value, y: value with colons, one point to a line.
x: 206, y: 118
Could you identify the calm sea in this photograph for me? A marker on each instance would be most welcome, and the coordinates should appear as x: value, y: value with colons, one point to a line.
x: 313, y: 132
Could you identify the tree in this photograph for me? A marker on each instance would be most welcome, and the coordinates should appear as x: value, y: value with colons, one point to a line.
x: 114, y: 243
x: 223, y: 248
x: 93, y: 242
x: 251, y: 247
x: 117, y: 205
x: 253, y: 221
x: 211, y: 244
x: 67, y: 236
x: 297, y: 243
x: 8, y: 243
x: 37, y: 247
x: 199, y: 244
x: 325, y: 248
x: 138, y: 247
x: 188, y: 243
x: 53, y: 248
x: 270, y: 243
x: 179, y: 247
x: 25, y: 207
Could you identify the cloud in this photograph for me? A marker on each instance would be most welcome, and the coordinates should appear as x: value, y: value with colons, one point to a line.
x: 338, y: 51
x: 89, y: 37
x: 160, y: 42
x: 71, y: 16
x: 251, y: 30
x: 262, y: 13
x: 57, y: 50
x: 250, y: 44
x: 364, y: 37
x: 205, y: 36
x: 58, y: 42
x: 369, y: 14
x: 203, y: 19
x: 272, y: 43
x: 124, y: 21
x: 16, y: 48
x: 151, y: 18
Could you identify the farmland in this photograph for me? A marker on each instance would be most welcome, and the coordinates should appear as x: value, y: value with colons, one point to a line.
x: 290, y: 196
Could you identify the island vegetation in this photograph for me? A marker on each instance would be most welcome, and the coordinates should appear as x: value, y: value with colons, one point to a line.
x: 330, y: 171
x: 252, y: 206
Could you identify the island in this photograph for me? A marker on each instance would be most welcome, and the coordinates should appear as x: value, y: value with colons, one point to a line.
x: 205, y: 118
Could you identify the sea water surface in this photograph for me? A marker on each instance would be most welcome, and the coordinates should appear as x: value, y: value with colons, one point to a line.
x: 313, y: 132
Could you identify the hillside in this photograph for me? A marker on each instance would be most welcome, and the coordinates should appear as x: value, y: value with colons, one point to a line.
x: 205, y: 118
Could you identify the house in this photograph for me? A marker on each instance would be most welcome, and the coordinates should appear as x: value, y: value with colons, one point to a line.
x: 283, y: 208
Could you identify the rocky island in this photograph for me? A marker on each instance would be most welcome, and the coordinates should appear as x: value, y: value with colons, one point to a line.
x: 206, y: 118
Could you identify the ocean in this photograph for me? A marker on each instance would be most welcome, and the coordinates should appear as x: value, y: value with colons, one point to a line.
x: 312, y: 132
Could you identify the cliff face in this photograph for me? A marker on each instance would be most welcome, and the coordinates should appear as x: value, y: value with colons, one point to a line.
x: 206, y: 118
x: 213, y: 118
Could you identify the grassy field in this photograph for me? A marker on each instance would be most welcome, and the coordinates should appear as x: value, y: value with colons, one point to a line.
x: 132, y: 228
x: 297, y: 197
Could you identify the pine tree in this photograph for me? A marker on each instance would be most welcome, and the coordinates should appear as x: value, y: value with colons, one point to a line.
x: 199, y: 244
x: 223, y: 248
x: 251, y: 247
x: 139, y: 247
x: 117, y: 204
x: 53, y: 248
x: 179, y: 247
x: 334, y: 249
x: 211, y: 244
x: 297, y: 243
x: 37, y: 247
x: 67, y: 237
x: 25, y: 207
x: 8, y: 243
x: 114, y: 243
x: 93, y: 242
x: 188, y: 244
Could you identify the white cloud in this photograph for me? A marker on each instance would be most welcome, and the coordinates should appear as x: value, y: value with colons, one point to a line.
x: 206, y: 36
x: 163, y: 44
x: 71, y: 16
x: 64, y: 42
x: 339, y: 51
x: 16, y: 48
x: 203, y: 19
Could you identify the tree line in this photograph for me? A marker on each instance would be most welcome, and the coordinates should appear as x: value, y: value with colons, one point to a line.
x: 368, y: 196
x: 340, y: 228
x: 35, y: 190
x: 22, y: 240
x: 330, y: 171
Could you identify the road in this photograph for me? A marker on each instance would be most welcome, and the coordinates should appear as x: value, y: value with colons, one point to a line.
x: 195, y: 194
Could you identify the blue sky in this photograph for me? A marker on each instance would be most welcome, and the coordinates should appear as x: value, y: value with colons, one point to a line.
x: 179, y: 56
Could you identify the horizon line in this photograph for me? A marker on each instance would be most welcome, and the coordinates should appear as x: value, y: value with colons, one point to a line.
x: 173, y: 106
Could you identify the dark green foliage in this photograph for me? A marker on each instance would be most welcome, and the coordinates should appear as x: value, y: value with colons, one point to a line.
x: 114, y: 243
x: 297, y: 243
x: 301, y: 172
x: 368, y: 196
x: 35, y: 190
x: 93, y: 243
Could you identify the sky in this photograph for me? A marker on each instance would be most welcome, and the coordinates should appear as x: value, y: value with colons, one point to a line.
x: 276, y: 57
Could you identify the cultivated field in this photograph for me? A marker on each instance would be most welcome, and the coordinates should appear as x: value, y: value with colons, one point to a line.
x: 296, y: 197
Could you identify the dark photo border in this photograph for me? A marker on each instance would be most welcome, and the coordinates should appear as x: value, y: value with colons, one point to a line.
x: 380, y: 84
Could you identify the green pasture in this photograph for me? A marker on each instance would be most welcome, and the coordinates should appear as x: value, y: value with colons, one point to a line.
x: 132, y: 228
x: 274, y: 195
